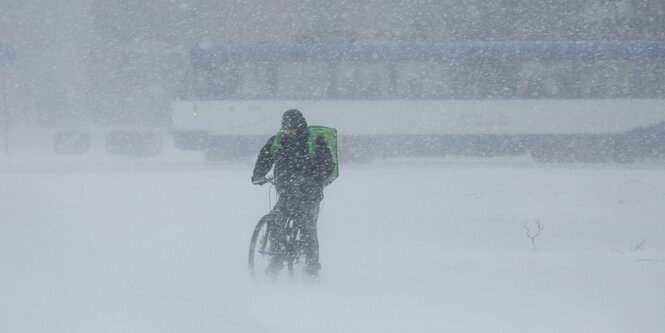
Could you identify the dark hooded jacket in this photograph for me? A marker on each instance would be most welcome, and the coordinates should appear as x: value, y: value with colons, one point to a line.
x: 297, y: 175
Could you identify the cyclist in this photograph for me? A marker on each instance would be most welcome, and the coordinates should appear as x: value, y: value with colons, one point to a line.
x: 299, y: 181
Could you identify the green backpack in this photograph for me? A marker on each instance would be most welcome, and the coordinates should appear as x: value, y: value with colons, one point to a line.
x: 328, y: 134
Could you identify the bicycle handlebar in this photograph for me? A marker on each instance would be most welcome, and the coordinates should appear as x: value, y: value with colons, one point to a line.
x: 263, y: 181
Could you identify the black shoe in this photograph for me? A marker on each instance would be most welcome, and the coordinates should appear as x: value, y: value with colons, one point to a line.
x: 312, y: 271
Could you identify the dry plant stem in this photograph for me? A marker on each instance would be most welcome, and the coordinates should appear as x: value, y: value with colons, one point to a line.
x: 534, y: 235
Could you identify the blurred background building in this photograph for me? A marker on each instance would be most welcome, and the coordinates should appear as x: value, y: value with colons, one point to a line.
x: 119, y: 62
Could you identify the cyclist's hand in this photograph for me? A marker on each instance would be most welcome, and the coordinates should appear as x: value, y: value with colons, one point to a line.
x: 259, y: 180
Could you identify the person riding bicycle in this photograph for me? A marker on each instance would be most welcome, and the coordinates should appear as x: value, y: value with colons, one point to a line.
x: 298, y: 178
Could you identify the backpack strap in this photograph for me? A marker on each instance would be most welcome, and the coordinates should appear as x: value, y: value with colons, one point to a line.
x: 276, y: 143
x: 311, y: 145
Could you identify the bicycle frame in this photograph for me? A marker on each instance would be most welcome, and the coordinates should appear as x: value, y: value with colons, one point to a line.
x: 294, y: 246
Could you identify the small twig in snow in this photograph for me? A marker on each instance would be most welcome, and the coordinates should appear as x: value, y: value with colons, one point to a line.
x: 534, y: 235
x: 637, y: 246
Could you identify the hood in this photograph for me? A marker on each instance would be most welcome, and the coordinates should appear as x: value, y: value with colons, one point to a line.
x: 293, y: 119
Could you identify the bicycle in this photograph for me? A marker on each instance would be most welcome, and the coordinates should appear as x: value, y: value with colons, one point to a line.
x: 262, y: 250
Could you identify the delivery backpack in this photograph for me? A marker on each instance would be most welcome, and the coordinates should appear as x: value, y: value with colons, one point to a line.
x: 328, y: 134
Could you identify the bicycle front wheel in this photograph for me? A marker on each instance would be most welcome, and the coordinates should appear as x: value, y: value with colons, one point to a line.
x: 259, y: 249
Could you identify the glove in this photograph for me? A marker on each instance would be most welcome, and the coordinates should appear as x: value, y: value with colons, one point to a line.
x: 259, y: 180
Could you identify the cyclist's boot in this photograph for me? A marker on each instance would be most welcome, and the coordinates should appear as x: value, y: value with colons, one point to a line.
x: 312, y: 271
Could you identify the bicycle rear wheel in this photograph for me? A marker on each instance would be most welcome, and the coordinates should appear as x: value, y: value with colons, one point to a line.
x: 259, y: 249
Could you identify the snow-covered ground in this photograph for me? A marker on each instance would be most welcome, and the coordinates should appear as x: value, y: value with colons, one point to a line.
x: 157, y: 245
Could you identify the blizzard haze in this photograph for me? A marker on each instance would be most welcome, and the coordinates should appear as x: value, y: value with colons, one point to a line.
x: 97, y: 65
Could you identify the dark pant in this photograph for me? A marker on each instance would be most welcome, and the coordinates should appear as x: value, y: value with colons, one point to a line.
x: 305, y: 214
